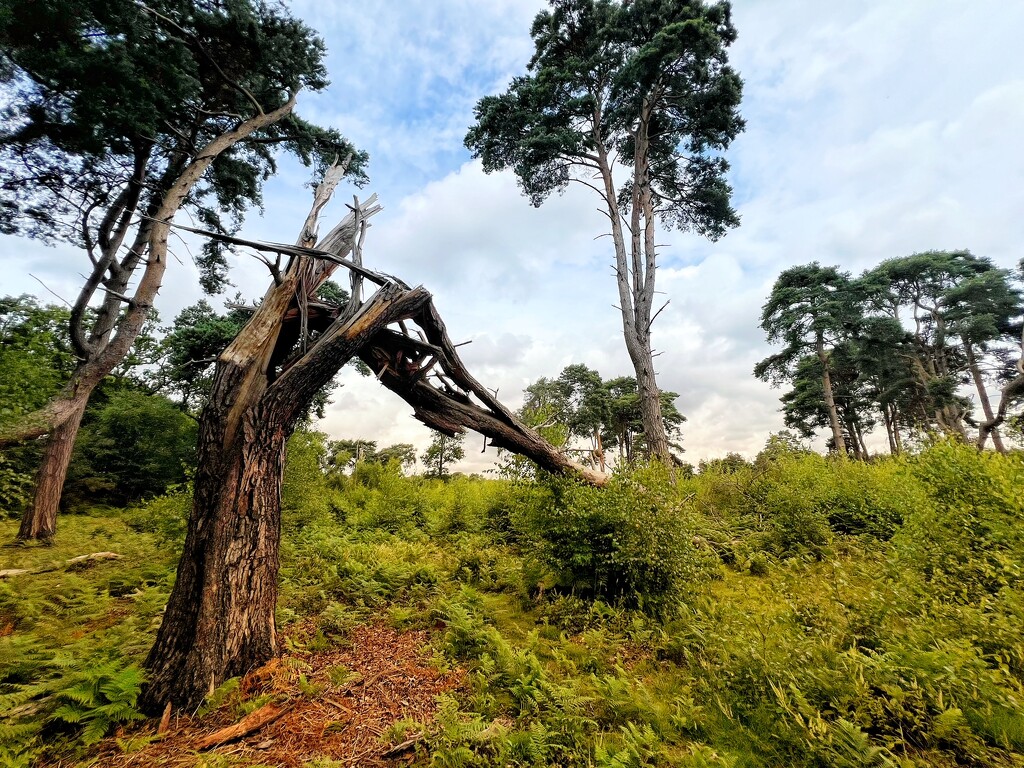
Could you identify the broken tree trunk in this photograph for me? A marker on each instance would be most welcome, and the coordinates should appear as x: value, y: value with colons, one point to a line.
x: 219, y: 621
x: 443, y: 400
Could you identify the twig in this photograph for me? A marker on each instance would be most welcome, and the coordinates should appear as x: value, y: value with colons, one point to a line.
x: 49, y: 289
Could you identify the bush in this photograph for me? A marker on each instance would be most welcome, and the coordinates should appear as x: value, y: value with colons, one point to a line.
x: 166, y: 516
x: 304, y: 486
x: 134, y: 446
x: 803, y: 499
x: 631, y: 540
x: 967, y: 537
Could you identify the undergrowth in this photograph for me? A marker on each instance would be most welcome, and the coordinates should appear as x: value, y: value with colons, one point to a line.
x: 793, y: 611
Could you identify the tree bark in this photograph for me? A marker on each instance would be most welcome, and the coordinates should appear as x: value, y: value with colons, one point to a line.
x: 219, y: 621
x: 635, y: 279
x: 40, y: 519
x: 830, y: 403
x: 986, y: 404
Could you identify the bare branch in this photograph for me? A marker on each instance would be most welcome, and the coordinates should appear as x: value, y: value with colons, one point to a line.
x: 119, y: 296
x: 68, y: 303
x: 651, y: 321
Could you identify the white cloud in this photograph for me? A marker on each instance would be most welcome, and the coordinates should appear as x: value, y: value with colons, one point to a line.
x: 874, y: 129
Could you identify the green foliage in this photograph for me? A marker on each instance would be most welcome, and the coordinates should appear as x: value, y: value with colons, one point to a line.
x: 99, y: 698
x: 806, y: 499
x: 35, y: 360
x: 73, y: 640
x: 304, y: 487
x: 579, y: 405
x: 893, y: 346
x: 967, y: 539
x: 443, y: 451
x: 895, y: 642
x: 105, y: 91
x: 35, y: 355
x: 597, y: 67
x: 165, y: 516
x: 631, y: 540
x: 133, y: 446
x: 189, y: 349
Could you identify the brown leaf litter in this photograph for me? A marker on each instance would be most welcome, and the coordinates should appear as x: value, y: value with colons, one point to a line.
x: 335, y: 704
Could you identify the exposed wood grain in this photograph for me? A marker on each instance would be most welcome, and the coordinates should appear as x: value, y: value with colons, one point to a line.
x: 251, y: 723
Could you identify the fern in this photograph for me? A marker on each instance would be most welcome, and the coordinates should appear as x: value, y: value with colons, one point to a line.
x: 99, y: 699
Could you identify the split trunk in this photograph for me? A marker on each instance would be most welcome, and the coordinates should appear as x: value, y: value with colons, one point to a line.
x: 219, y: 620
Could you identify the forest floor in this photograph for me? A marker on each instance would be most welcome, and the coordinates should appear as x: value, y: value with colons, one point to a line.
x: 420, y: 627
x: 355, y: 706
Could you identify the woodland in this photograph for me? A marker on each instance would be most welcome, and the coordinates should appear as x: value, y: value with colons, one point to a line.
x: 193, y: 574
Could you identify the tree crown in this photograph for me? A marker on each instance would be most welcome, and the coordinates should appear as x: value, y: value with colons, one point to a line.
x: 599, y: 70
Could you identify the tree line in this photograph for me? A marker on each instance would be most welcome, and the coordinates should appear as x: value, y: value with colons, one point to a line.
x: 899, y: 346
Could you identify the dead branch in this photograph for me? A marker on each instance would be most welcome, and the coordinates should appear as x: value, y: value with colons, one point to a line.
x: 406, y: 745
x: 451, y: 410
x: 251, y: 723
x: 294, y: 250
x: 57, y: 566
x: 651, y: 321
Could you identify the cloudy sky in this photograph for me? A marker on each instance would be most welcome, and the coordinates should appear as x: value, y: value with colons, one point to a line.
x: 874, y: 129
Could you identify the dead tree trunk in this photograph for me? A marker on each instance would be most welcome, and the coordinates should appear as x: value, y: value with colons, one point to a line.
x: 219, y: 620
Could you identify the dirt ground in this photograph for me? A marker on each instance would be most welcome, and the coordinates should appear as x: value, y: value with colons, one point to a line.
x: 335, y: 705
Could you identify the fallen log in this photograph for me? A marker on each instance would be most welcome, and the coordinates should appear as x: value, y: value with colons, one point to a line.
x: 6, y: 574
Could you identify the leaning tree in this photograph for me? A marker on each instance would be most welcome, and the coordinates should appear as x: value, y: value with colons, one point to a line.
x: 219, y: 620
x: 960, y: 309
x: 641, y: 89
x: 117, y: 115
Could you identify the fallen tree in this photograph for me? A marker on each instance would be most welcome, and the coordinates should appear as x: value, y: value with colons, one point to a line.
x: 219, y: 621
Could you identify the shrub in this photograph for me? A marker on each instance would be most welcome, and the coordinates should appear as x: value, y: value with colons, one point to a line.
x: 631, y: 540
x: 166, y: 515
x: 967, y: 538
x: 805, y: 498
x: 304, y: 485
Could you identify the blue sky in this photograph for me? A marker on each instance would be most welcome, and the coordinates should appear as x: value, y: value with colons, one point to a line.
x: 874, y: 129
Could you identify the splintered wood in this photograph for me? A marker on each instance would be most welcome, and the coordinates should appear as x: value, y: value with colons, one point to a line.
x: 335, y: 705
x: 423, y: 369
x: 427, y: 372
